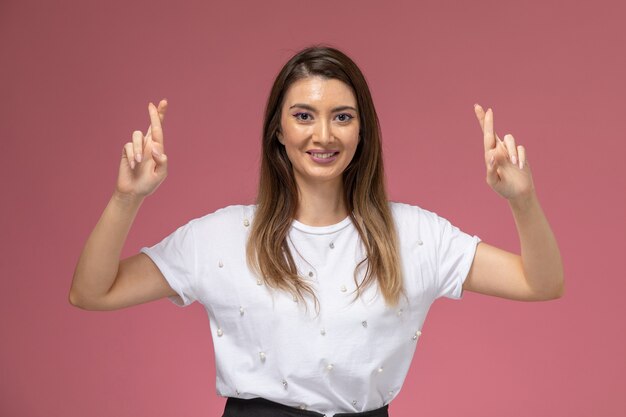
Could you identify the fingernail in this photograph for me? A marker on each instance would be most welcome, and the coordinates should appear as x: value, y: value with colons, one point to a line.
x: 491, y: 161
x: 513, y: 159
x: 475, y: 105
x: 132, y: 164
x: 138, y: 157
x: 155, y: 152
x: 521, y: 164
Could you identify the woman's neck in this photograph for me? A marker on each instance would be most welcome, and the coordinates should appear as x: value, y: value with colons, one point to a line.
x: 321, y: 204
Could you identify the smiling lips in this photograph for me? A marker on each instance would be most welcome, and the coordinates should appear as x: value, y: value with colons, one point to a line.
x: 323, y: 156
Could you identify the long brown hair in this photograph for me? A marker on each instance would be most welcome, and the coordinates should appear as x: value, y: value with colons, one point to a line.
x: 268, y: 252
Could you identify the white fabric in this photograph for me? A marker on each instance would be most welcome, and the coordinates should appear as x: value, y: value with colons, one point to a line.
x: 353, y: 356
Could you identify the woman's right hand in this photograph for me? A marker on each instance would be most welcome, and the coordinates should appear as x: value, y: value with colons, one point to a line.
x: 144, y: 163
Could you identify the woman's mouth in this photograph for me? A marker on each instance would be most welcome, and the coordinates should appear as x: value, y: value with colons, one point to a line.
x: 323, y: 157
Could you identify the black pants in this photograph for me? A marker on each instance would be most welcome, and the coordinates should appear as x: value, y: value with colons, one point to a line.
x: 260, y: 407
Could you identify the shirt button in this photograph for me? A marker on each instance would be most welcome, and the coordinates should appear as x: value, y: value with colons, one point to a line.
x: 332, y: 245
x: 364, y: 323
x: 323, y: 332
x: 311, y: 273
x: 380, y: 369
x: 420, y: 243
x: 262, y: 356
x: 354, y: 402
x: 343, y: 288
x: 285, y: 384
x: 241, y: 311
x: 416, y: 335
x: 246, y: 222
x: 302, y: 406
x: 399, y: 313
x: 259, y: 282
x: 221, y: 264
x: 329, y: 366
x: 220, y: 332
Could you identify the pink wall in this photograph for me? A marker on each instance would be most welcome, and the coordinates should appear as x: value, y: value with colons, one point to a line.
x: 75, y: 81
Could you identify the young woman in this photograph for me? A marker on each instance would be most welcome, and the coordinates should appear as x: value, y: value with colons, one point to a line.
x: 322, y: 235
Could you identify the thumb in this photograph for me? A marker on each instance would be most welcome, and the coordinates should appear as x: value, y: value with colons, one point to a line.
x: 159, y: 158
x: 492, y: 172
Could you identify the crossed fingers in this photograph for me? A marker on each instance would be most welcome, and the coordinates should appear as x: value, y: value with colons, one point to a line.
x: 135, y: 149
x: 516, y: 154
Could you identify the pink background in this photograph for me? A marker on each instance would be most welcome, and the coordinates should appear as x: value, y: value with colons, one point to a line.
x: 76, y: 79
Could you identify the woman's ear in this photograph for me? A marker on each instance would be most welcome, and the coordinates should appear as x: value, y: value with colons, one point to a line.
x: 279, y: 135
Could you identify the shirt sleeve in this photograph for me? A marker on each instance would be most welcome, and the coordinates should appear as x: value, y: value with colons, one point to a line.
x: 176, y: 257
x: 455, y: 255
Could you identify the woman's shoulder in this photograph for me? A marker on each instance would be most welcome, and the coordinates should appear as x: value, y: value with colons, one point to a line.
x: 409, y: 218
x: 227, y: 217
x: 404, y: 211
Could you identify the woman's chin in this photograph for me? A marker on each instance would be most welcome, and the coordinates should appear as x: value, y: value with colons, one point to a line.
x: 320, y: 176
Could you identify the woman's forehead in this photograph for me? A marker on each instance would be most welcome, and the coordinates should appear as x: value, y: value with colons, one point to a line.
x: 320, y: 90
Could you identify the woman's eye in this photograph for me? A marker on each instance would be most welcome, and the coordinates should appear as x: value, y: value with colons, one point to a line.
x: 302, y: 116
x: 344, y: 117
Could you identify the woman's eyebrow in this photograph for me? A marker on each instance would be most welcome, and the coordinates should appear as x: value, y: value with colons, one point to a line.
x: 313, y: 109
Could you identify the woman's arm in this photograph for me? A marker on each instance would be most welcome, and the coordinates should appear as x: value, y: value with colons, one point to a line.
x: 538, y: 273
x: 142, y: 168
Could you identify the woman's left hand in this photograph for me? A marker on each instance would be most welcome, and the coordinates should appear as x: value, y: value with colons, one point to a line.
x: 508, y: 172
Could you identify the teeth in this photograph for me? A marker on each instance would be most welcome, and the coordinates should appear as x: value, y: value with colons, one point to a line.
x: 323, y: 155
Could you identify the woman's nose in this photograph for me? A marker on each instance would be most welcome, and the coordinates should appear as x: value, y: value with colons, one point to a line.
x: 323, y: 132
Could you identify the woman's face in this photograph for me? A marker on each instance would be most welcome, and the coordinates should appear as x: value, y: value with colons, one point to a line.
x: 319, y: 128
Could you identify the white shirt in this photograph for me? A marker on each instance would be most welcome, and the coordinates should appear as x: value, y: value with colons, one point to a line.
x: 352, y: 357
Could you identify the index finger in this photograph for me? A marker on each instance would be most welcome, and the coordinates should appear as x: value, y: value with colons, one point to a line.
x: 488, y: 134
x: 480, y: 115
x: 155, y: 130
x: 162, y: 107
